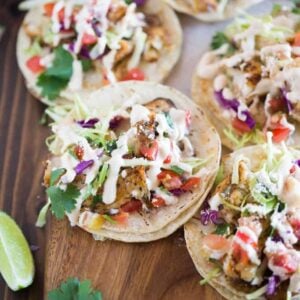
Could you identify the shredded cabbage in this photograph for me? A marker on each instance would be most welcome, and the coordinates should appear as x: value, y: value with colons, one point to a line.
x: 255, y: 137
x: 212, y: 274
x: 257, y: 294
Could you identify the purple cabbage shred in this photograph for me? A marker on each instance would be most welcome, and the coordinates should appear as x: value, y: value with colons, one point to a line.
x: 177, y: 192
x: 88, y: 123
x: 286, y: 101
x: 210, y: 215
x: 234, y: 105
x: 139, y: 2
x: 83, y: 165
x: 273, y: 283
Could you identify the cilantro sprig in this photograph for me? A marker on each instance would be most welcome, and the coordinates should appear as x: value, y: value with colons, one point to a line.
x: 219, y: 39
x: 56, y: 78
x: 61, y: 200
x: 73, y: 289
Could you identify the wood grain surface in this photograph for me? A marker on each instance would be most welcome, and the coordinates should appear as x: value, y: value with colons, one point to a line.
x: 157, y: 270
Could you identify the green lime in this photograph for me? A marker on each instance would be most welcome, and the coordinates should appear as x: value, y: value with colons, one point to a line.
x: 16, y: 265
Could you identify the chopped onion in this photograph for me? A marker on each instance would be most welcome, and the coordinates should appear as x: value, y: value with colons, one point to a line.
x: 139, y: 2
x: 209, y: 215
x: 286, y: 101
x: 234, y: 105
x: 83, y: 165
x: 273, y: 283
x: 88, y: 123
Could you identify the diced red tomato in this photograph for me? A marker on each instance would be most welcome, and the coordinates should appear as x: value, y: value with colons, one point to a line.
x: 296, y: 226
x: 34, y: 64
x: 134, y: 74
x: 277, y: 105
x: 150, y: 150
x: 48, y: 11
x: 293, y: 169
x: 240, y: 255
x: 188, y: 119
x: 79, y: 152
x: 240, y: 126
x: 131, y: 206
x: 285, y: 261
x: 121, y: 217
x: 168, y: 159
x: 158, y: 201
x: 216, y: 242
x: 169, y: 179
x: 297, y: 40
x: 280, y: 134
x: 246, y: 239
x: 89, y: 39
x: 191, y: 183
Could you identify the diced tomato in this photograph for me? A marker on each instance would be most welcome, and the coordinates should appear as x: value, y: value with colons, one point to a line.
x: 158, y: 201
x: 296, y: 226
x: 149, y: 150
x: 168, y: 159
x: 134, y: 74
x: 280, y: 134
x: 169, y: 179
x: 216, y: 242
x: 79, y: 152
x: 277, y: 105
x: 48, y: 11
x: 131, y: 206
x: 246, y: 239
x: 293, y: 169
x: 188, y: 119
x: 297, y: 40
x: 240, y: 126
x: 89, y: 39
x: 34, y: 64
x: 240, y: 254
x: 165, y: 174
x: 121, y: 217
x: 191, y: 183
x: 285, y: 261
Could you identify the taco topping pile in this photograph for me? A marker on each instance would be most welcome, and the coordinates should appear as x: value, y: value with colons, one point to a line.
x: 137, y: 158
x: 255, y: 68
x: 75, y: 38
x: 252, y: 222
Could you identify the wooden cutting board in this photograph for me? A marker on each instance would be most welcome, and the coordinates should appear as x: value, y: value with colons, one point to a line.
x: 156, y: 270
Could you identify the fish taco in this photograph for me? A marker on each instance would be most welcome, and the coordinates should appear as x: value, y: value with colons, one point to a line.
x: 133, y: 162
x: 248, y: 83
x: 245, y: 241
x: 72, y: 45
x: 211, y: 10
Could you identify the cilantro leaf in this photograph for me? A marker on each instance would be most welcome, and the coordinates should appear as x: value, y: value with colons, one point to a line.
x: 222, y: 229
x: 219, y: 39
x: 110, y: 146
x: 86, y: 64
x: 177, y: 170
x: 169, y: 119
x: 55, y: 175
x: 73, y: 289
x: 62, y: 201
x: 56, y: 78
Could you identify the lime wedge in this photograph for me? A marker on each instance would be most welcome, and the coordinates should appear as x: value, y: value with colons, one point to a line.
x: 16, y: 262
